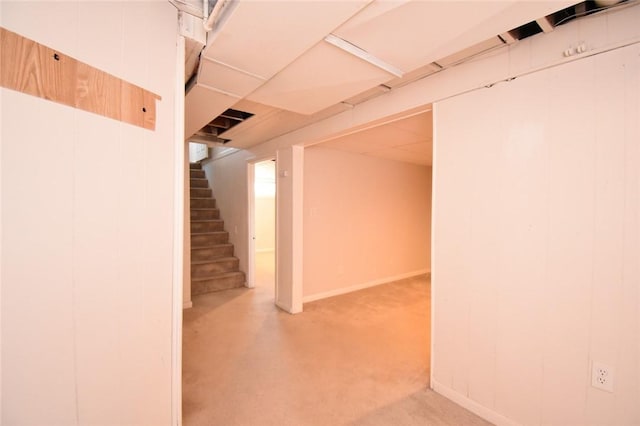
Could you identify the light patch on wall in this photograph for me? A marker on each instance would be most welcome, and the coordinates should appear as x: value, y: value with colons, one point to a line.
x: 197, y: 152
x: 265, y: 182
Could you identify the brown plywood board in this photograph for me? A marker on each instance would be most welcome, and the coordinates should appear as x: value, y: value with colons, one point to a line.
x: 38, y: 70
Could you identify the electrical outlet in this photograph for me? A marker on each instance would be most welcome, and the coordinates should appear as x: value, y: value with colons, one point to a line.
x: 602, y: 376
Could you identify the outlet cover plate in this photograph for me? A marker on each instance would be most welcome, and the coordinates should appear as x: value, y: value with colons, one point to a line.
x: 602, y: 376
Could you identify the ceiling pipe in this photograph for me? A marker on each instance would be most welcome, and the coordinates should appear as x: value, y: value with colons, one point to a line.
x: 188, y: 7
x: 210, y: 21
x: 205, y: 12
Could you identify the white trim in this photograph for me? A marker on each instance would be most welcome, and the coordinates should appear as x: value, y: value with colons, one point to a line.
x: 297, y: 227
x: 251, y: 224
x: 293, y: 266
x: 473, y: 406
x: 434, y: 146
x: 187, y: 304
x: 1, y: 93
x: 344, y: 290
x: 278, y: 240
x: 265, y: 250
x: 178, y: 239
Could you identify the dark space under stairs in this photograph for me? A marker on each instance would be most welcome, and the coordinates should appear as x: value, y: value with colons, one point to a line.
x: 213, y: 265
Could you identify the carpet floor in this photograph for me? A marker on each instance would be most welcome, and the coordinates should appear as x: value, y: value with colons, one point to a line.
x: 356, y: 359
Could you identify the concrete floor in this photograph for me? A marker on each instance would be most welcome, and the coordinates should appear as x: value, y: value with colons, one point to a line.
x: 357, y: 359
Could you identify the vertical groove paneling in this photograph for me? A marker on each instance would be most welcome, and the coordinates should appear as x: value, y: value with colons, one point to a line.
x: 548, y: 176
x: 87, y: 239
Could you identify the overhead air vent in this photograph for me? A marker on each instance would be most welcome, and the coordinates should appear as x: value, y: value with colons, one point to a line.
x: 212, y: 132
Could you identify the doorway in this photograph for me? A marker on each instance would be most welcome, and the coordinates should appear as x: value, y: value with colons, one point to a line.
x: 262, y: 225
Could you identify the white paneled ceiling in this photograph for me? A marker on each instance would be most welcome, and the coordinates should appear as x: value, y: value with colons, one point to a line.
x: 214, y: 74
x: 271, y: 55
x: 406, y: 36
x: 420, y: 32
x: 323, y: 76
x: 262, y: 37
x: 252, y: 42
x: 407, y: 139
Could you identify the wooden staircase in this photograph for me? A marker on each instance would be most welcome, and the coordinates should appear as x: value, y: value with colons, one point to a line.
x: 213, y: 266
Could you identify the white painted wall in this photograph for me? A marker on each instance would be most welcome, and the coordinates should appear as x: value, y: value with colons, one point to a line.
x: 265, y: 224
x: 366, y: 221
x: 228, y: 179
x: 197, y: 151
x: 87, y: 223
x: 537, y: 244
x: 186, y: 234
x: 265, y: 206
x: 1, y: 222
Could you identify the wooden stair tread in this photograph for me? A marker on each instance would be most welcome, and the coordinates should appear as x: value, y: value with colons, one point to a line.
x: 212, y: 246
x: 220, y: 275
x: 216, y: 260
x: 211, y: 233
x: 213, y: 264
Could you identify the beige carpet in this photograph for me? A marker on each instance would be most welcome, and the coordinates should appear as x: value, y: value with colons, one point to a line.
x: 360, y: 358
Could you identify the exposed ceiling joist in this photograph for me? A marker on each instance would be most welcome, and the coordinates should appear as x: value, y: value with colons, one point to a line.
x: 544, y: 23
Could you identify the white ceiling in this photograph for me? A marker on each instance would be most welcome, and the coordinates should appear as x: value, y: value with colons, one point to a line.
x: 269, y: 58
x: 408, y: 139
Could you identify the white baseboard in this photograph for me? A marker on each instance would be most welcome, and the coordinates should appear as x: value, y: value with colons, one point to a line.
x: 471, y: 405
x: 288, y: 309
x: 344, y: 290
x: 187, y: 305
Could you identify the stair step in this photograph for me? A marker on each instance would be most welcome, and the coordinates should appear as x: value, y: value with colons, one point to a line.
x: 209, y: 239
x: 201, y: 192
x: 207, y: 269
x: 204, y: 226
x: 211, y: 252
x: 203, y: 203
x: 224, y: 281
x: 199, y: 183
x: 204, y: 214
x: 195, y: 166
x: 197, y: 174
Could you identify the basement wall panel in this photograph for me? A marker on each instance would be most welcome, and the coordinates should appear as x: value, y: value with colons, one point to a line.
x: 536, y: 235
x: 228, y: 179
x: 88, y: 205
x: 366, y: 221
